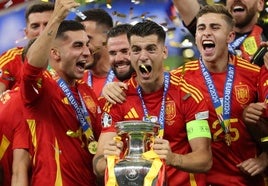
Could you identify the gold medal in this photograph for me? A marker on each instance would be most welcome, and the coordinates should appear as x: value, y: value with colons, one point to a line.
x: 92, y: 147
x: 228, y: 139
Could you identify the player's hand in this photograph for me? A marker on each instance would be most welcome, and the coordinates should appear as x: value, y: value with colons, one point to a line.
x: 62, y: 9
x: 253, y: 112
x: 162, y: 148
x: 254, y: 166
x: 114, y: 92
x: 112, y: 147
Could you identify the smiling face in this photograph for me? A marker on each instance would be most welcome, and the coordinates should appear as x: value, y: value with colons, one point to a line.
x: 212, y: 37
x: 119, y: 52
x: 147, y: 56
x: 70, y: 55
x: 245, y: 12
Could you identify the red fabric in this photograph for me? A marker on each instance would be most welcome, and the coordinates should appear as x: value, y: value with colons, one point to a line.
x: 225, y: 158
x: 10, y: 67
x: 14, y: 128
x: 179, y: 111
x: 97, y: 82
x: 55, y: 151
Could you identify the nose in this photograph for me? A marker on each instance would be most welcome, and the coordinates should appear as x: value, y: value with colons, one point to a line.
x: 119, y: 56
x: 41, y: 29
x: 207, y: 32
x: 87, y: 51
x: 143, y: 55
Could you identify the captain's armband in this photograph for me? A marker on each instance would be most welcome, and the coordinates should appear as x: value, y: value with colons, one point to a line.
x: 197, y: 129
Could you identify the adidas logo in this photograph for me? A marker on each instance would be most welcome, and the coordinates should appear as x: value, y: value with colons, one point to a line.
x: 131, y: 114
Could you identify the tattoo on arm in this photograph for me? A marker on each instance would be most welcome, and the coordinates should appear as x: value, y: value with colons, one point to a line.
x: 50, y: 33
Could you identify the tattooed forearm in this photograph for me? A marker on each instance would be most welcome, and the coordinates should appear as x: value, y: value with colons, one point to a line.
x: 50, y: 33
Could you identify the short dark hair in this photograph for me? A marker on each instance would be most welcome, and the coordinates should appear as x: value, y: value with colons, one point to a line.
x: 147, y: 28
x: 68, y: 25
x: 217, y: 9
x: 98, y: 15
x: 119, y: 30
x: 38, y: 7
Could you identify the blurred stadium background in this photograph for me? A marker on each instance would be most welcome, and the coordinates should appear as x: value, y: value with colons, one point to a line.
x: 180, y: 43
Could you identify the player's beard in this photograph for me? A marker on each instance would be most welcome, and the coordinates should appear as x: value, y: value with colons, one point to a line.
x: 242, y: 22
x: 125, y: 76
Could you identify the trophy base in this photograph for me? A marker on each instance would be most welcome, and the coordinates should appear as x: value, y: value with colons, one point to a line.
x: 132, y: 172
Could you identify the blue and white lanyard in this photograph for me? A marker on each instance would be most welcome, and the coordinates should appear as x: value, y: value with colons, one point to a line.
x: 223, y: 110
x: 161, y: 117
x: 81, y: 112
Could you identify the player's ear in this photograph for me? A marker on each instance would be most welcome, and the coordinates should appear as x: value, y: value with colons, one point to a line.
x: 55, y: 54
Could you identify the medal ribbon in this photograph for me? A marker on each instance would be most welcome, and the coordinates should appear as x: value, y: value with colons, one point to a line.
x: 223, y: 110
x: 110, y: 78
x: 236, y: 43
x: 81, y: 112
x: 161, y: 117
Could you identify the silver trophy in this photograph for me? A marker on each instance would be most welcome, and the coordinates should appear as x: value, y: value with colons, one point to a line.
x: 137, y: 138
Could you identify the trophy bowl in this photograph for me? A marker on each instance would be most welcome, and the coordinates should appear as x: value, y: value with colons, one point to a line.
x: 137, y: 137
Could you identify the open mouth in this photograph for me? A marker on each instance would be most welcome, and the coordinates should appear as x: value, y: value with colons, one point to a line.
x: 145, y: 69
x: 208, y: 45
x: 238, y: 9
x: 81, y: 65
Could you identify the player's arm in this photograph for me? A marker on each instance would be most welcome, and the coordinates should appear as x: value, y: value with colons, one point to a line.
x: 199, y: 160
x: 38, y: 53
x: 107, y: 145
x: 188, y: 9
x: 2, y: 87
x: 20, y: 167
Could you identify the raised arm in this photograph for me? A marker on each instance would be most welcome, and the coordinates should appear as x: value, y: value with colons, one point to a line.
x: 188, y: 9
x: 39, y: 52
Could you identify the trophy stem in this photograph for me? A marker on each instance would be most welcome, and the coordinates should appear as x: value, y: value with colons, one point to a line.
x: 136, y: 145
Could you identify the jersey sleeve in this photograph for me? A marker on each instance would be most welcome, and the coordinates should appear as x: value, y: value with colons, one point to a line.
x: 10, y: 66
x: 31, y: 84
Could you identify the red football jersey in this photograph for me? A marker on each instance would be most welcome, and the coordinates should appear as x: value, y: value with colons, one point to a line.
x: 96, y: 82
x: 14, y: 133
x: 10, y: 67
x: 181, y: 107
x: 225, y: 158
x: 60, y: 158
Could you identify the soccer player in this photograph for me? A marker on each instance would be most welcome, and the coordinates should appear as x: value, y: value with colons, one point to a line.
x: 119, y: 52
x: 229, y: 84
x: 250, y: 32
x: 64, y: 111
x: 36, y: 16
x: 15, y: 140
x: 97, y: 23
x: 176, y: 105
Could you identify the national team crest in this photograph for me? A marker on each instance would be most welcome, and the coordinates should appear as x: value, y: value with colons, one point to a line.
x: 90, y: 104
x: 242, y: 94
x: 170, y: 110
